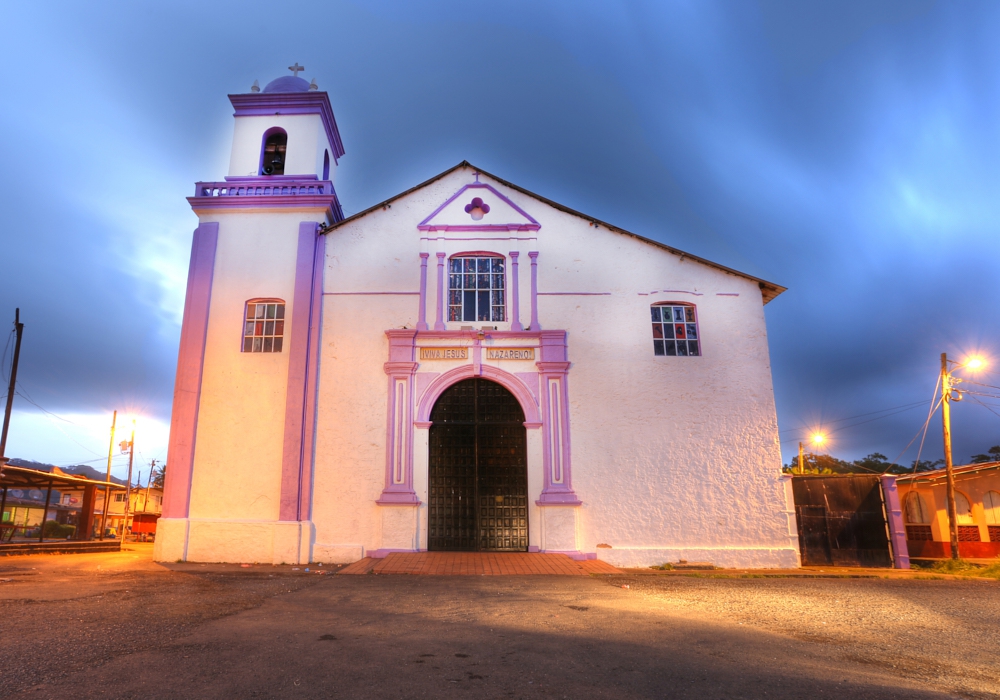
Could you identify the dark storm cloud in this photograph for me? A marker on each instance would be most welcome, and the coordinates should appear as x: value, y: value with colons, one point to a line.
x: 845, y: 150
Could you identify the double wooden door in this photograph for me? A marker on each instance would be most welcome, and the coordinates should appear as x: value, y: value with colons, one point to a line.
x: 478, y: 484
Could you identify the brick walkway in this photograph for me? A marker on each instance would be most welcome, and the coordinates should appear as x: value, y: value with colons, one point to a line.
x: 479, y: 564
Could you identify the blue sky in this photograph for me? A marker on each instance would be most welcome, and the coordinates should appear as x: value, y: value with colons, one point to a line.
x: 845, y: 150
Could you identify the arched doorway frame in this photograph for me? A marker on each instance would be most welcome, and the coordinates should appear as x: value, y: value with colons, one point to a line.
x: 542, y: 395
x: 505, y: 379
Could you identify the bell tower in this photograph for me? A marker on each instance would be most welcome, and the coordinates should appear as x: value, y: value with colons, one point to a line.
x: 241, y: 434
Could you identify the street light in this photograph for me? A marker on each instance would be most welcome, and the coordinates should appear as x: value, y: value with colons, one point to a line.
x: 817, y: 439
x: 972, y: 364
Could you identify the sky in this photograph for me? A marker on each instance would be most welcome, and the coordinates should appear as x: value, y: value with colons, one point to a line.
x: 848, y: 151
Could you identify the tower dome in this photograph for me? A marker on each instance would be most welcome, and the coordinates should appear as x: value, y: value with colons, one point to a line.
x: 287, y: 83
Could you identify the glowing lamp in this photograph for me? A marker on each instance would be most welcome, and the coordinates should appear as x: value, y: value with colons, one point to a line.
x: 975, y: 363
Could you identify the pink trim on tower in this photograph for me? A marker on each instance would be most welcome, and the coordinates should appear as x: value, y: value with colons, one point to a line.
x: 190, y: 365
x: 439, y: 314
x: 296, y: 458
x: 515, y: 291
x: 534, y: 291
x: 422, y: 311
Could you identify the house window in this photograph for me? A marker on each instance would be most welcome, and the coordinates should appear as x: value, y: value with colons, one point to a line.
x: 675, y: 330
x: 119, y: 497
x: 991, y: 507
x: 272, y: 161
x: 476, y: 289
x: 917, y: 512
x: 264, y: 325
x: 963, y: 509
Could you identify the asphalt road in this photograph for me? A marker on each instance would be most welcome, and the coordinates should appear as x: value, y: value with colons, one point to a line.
x: 119, y: 626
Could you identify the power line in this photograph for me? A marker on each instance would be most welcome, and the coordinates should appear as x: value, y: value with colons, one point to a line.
x: 862, y: 415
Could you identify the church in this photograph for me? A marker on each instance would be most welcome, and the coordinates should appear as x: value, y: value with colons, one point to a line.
x: 466, y: 366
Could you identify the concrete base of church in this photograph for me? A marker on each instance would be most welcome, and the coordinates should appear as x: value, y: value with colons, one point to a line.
x: 400, y: 528
x: 337, y: 553
x: 559, y: 529
x: 726, y: 557
x: 234, y: 541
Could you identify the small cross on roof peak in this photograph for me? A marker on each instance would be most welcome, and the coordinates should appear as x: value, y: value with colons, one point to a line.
x: 296, y: 69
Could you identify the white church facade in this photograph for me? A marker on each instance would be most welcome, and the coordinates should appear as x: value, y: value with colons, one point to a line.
x: 466, y: 366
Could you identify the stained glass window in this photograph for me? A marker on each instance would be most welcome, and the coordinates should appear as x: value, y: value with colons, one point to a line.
x: 264, y: 326
x: 675, y: 330
x: 476, y: 289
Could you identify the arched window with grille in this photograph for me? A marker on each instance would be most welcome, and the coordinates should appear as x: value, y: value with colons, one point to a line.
x: 675, y: 329
x: 272, y: 155
x: 991, y: 511
x: 476, y: 288
x: 918, y: 518
x: 264, y: 325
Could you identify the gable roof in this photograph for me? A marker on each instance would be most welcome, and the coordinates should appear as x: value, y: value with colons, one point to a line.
x: 768, y: 290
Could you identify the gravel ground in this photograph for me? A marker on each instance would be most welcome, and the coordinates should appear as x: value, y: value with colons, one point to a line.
x: 119, y: 626
x: 942, y: 633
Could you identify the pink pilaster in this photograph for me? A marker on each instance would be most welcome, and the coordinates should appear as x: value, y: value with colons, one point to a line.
x: 296, y: 460
x: 515, y: 294
x: 439, y: 317
x: 534, y: 291
x: 894, y: 517
x: 553, y: 370
x: 190, y: 363
x: 422, y: 311
x: 400, y: 369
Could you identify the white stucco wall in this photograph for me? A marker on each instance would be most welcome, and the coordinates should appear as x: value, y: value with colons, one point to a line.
x: 673, y: 457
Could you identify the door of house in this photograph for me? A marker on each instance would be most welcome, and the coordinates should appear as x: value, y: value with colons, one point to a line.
x: 478, y: 485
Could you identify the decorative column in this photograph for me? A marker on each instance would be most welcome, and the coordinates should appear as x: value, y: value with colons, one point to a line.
x: 439, y: 317
x: 553, y: 371
x: 422, y: 312
x: 400, y: 369
x: 534, y: 292
x: 894, y: 517
x: 515, y: 288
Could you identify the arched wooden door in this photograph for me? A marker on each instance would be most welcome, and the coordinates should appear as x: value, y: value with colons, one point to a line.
x: 478, y: 470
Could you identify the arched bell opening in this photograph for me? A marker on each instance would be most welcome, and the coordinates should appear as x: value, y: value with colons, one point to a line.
x: 272, y: 152
x: 478, y: 470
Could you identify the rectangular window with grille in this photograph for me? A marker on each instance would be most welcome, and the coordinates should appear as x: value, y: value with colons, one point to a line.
x: 476, y: 289
x: 968, y: 533
x: 919, y: 533
x: 264, y: 326
x: 675, y: 330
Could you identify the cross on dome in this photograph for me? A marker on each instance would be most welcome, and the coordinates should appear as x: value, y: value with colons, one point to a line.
x: 296, y: 69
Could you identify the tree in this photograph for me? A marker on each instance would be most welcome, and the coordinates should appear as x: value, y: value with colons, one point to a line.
x: 158, y: 476
x: 992, y: 455
x: 877, y: 463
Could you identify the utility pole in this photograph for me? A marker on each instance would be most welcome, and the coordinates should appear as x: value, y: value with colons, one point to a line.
x: 946, y: 425
x: 802, y: 469
x: 19, y: 330
x: 149, y: 480
x: 128, y: 482
x: 107, y: 489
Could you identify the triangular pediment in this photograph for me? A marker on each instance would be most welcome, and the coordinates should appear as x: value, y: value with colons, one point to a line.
x: 478, y: 207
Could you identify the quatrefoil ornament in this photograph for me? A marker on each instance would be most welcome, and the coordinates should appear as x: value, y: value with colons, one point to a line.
x: 477, y: 208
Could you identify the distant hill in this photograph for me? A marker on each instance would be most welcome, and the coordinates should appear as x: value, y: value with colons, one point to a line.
x: 76, y: 469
